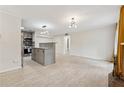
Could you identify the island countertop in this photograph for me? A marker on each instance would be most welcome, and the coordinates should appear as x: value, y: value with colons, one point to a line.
x: 42, y: 48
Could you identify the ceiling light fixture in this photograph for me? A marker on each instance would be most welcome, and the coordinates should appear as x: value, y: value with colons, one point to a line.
x: 44, y: 31
x: 73, y: 23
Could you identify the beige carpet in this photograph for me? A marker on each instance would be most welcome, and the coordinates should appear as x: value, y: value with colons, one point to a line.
x: 67, y: 71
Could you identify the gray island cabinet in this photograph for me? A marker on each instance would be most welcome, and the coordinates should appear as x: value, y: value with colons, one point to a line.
x: 45, y: 54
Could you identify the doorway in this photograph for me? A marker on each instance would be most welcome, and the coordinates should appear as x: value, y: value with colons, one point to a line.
x: 66, y: 43
x: 27, y: 43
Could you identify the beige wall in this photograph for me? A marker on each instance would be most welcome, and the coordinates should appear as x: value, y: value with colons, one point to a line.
x: 96, y: 44
x: 10, y: 42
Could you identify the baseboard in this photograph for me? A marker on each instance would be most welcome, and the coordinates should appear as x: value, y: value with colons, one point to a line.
x: 98, y: 59
x: 10, y: 69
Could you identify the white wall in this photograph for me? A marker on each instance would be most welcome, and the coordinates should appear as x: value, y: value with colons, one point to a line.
x: 96, y: 44
x: 59, y: 44
x: 10, y: 42
x: 39, y: 39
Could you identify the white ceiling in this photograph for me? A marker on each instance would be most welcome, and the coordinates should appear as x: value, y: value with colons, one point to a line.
x: 57, y: 17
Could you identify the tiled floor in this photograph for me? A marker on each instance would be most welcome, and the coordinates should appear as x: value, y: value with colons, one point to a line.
x: 67, y: 71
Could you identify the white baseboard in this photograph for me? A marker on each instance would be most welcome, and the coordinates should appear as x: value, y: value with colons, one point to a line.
x: 10, y: 69
x: 99, y: 59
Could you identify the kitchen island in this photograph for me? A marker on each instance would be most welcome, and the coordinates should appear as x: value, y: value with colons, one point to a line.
x: 45, y: 54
